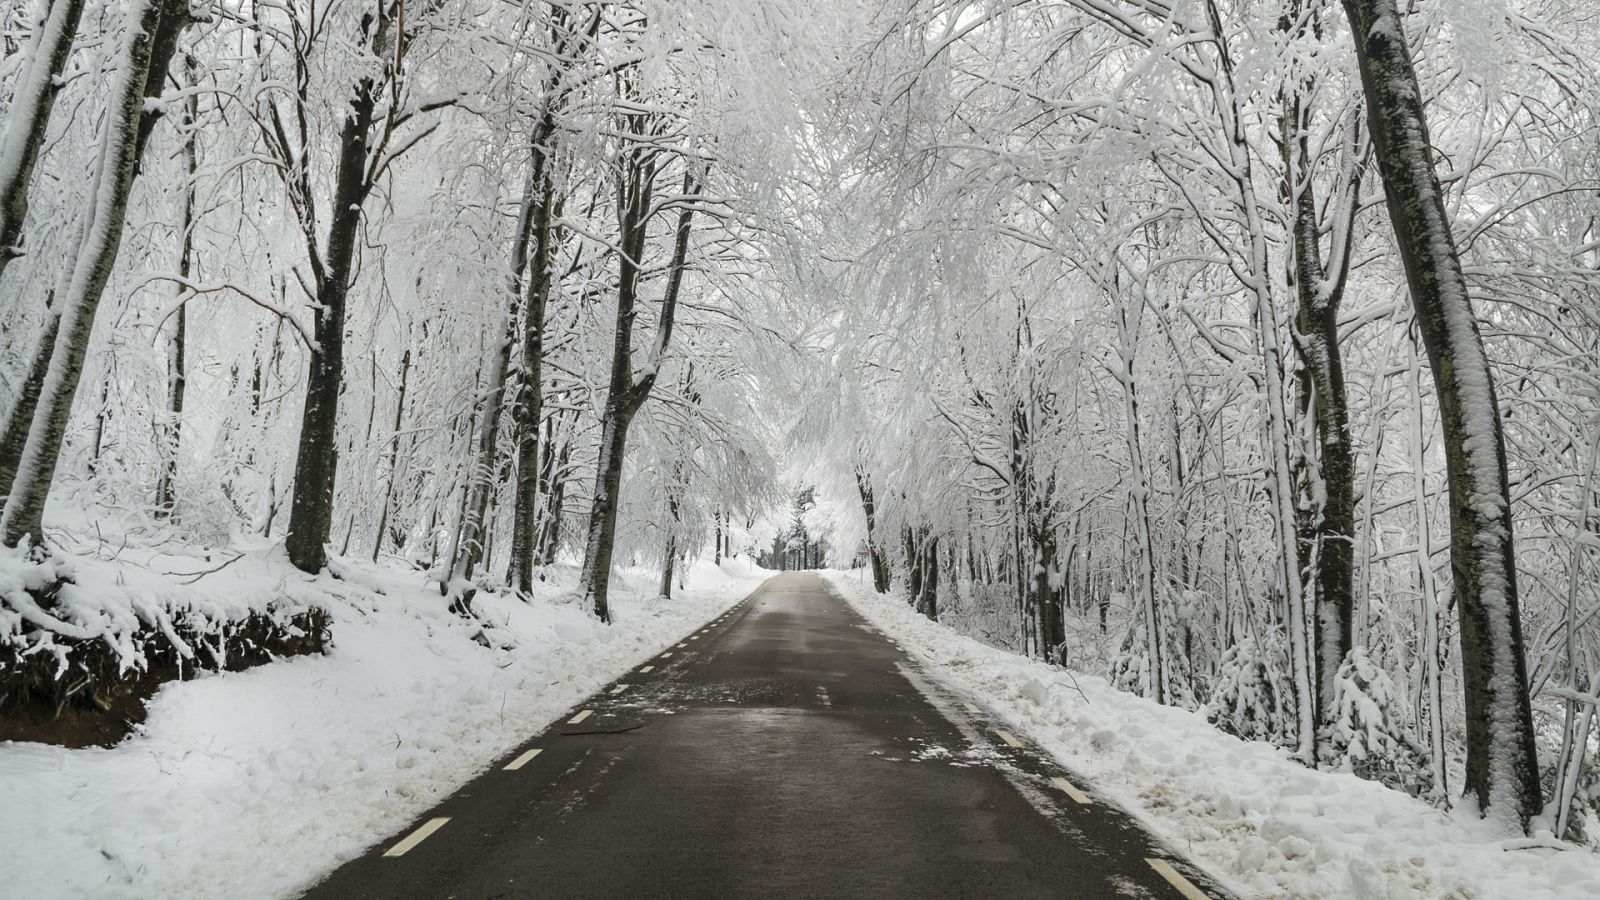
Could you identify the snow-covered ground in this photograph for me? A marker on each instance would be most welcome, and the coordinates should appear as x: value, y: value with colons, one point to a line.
x: 1266, y: 825
x: 254, y: 784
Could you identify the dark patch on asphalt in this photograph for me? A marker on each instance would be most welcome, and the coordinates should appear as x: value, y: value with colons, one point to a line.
x: 603, y: 726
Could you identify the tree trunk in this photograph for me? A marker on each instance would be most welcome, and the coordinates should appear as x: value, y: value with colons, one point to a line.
x: 155, y: 28
x: 28, y: 117
x: 1502, y: 768
x: 393, y: 454
x: 317, y: 461
x: 177, y: 342
x: 538, y: 206
x: 669, y: 556
x: 481, y: 477
x: 1240, y: 166
x: 553, y: 465
x: 626, y: 395
x: 880, y: 564
x: 1130, y: 315
x: 1329, y: 538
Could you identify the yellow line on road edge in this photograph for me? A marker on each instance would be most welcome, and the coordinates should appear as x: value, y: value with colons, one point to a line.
x: 1006, y: 736
x: 580, y: 717
x: 619, y: 689
x: 1067, y: 788
x: 416, y: 837
x: 646, y: 669
x: 1184, y: 885
x: 523, y: 760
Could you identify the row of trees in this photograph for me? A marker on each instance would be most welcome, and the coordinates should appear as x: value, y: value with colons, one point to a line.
x: 1224, y: 347
x: 388, y: 279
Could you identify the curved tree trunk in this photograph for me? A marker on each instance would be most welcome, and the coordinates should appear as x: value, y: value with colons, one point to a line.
x: 28, y: 117
x: 155, y: 27
x: 1502, y: 768
x: 20, y: 416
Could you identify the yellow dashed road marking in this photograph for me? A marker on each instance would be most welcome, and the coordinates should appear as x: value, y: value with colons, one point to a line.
x: 1007, y: 737
x: 1184, y: 885
x: 580, y: 717
x: 416, y: 837
x: 523, y: 760
x: 972, y: 709
x: 666, y: 654
x: 1067, y: 788
x: 619, y: 689
x: 646, y: 669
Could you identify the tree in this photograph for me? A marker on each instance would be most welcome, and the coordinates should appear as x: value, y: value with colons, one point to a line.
x: 364, y: 156
x: 880, y: 565
x: 28, y: 117
x: 32, y: 450
x: 177, y: 341
x: 1502, y: 766
x: 638, y: 168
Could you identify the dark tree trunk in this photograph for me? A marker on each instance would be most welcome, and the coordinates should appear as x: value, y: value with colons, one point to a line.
x: 875, y: 554
x: 669, y: 556
x: 1046, y: 596
x: 535, y: 229
x: 393, y: 454
x: 317, y: 461
x: 625, y: 394
x: 1502, y: 767
x: 928, y: 603
x: 922, y: 570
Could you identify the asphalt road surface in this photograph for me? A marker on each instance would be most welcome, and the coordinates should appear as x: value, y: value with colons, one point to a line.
x: 786, y: 750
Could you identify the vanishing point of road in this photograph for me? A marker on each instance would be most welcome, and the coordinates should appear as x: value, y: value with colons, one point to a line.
x: 785, y: 750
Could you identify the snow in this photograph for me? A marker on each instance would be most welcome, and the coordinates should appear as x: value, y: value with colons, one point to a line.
x: 257, y: 783
x: 1267, y: 826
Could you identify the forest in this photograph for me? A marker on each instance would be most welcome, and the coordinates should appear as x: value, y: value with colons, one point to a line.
x: 1244, y: 353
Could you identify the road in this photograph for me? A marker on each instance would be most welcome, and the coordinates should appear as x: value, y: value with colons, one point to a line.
x: 786, y: 750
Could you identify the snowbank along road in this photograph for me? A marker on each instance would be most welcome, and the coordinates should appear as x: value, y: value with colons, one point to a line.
x: 786, y: 749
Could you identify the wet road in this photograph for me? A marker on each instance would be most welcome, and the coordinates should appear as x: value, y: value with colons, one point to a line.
x: 786, y: 750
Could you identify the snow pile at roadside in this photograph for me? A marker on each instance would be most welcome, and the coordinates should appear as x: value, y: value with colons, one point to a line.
x: 124, y: 603
x: 256, y: 783
x: 1242, y: 809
